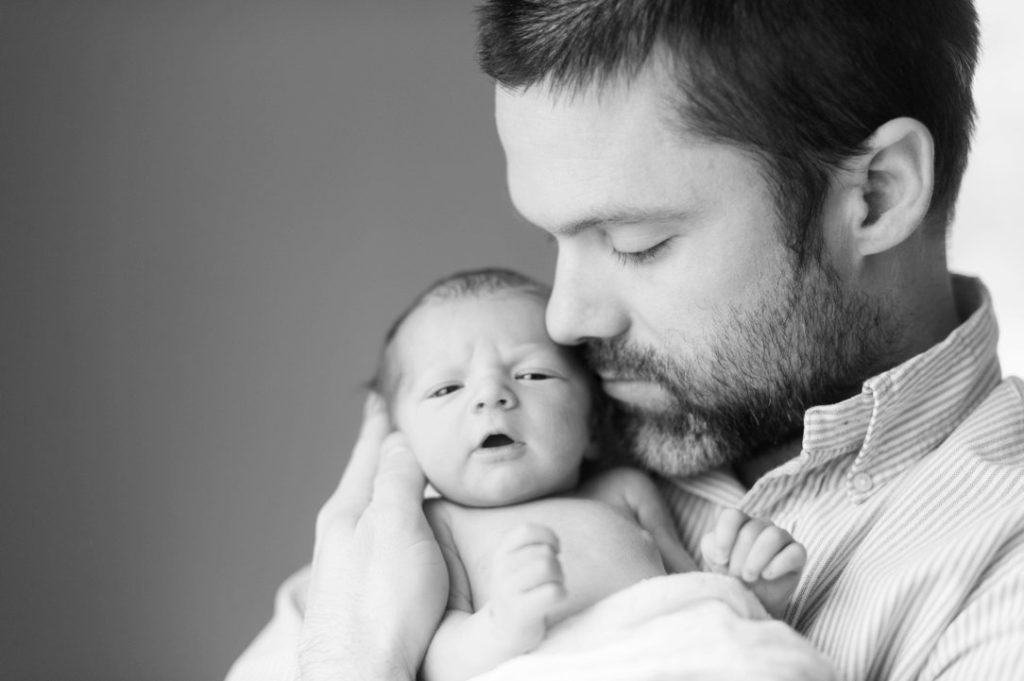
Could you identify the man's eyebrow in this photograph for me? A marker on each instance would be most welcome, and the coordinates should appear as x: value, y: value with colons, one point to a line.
x: 626, y: 216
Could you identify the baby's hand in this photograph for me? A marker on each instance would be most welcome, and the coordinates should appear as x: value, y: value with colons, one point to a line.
x: 527, y: 584
x: 764, y: 556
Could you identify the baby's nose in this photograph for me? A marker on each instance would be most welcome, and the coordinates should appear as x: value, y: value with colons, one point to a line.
x: 495, y: 396
x: 500, y: 402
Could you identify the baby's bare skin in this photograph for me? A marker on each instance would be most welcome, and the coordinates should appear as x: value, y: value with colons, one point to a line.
x: 603, y: 548
x: 517, y: 570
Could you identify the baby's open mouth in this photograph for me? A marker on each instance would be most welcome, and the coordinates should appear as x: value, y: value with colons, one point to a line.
x: 496, y: 440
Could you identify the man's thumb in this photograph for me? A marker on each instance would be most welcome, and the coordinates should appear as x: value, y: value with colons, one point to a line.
x: 400, y: 480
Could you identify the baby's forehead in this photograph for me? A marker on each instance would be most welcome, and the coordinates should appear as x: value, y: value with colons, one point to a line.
x: 438, y: 324
x: 520, y: 309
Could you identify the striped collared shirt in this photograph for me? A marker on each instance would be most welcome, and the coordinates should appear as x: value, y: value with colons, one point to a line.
x: 910, y: 500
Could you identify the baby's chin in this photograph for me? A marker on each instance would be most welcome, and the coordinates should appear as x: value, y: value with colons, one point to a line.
x: 504, y: 496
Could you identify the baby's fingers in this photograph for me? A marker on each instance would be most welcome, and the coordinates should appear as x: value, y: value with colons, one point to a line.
x: 526, y: 535
x: 790, y: 559
x: 717, y: 545
x: 539, y: 600
x: 526, y: 569
x: 527, y: 558
x: 716, y: 559
x: 766, y: 546
x: 540, y: 581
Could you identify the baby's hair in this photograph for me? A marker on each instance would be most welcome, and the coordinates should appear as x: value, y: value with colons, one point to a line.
x: 458, y: 286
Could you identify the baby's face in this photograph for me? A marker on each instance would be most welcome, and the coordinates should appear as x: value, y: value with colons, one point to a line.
x: 495, y: 412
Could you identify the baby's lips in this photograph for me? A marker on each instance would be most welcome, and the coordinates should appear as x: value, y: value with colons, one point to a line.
x: 496, y: 427
x: 497, y: 440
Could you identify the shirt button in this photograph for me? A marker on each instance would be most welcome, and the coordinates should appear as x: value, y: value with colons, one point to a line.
x: 862, y: 482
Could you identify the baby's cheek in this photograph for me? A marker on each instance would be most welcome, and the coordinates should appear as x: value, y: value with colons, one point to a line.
x: 434, y: 467
x: 573, y: 405
x: 574, y: 424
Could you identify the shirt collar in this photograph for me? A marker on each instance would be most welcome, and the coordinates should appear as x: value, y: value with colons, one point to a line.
x: 900, y: 414
x: 907, y: 411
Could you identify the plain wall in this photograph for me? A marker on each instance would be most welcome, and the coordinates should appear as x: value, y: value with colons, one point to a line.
x: 210, y: 212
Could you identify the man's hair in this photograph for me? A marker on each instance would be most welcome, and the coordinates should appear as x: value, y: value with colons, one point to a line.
x: 457, y: 286
x: 800, y: 85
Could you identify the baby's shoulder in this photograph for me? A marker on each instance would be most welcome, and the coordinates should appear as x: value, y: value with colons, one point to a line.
x: 617, y: 485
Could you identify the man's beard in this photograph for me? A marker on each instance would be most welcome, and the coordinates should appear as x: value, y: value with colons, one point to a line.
x: 806, y: 343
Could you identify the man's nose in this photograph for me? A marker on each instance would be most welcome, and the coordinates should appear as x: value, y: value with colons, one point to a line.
x: 583, y: 304
x: 494, y: 394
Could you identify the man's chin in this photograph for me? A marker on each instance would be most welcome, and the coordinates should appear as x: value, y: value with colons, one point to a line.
x: 674, y: 444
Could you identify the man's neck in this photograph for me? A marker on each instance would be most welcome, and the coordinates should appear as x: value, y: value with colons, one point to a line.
x: 914, y: 283
x: 922, y: 331
x: 751, y: 469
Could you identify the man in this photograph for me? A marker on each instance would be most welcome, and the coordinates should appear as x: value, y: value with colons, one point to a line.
x: 750, y: 201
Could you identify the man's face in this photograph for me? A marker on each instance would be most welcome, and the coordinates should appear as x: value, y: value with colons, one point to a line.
x: 494, y: 411
x: 673, y: 271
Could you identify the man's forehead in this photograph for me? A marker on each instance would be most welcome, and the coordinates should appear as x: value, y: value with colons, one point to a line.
x: 559, y: 119
x: 610, y: 149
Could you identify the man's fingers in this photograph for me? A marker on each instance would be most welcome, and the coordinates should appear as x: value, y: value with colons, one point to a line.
x: 356, y: 487
x: 400, y: 481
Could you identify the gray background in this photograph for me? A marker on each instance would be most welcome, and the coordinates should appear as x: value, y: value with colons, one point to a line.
x: 210, y: 211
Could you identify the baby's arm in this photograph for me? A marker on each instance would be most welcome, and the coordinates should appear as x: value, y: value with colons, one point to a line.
x: 764, y: 556
x: 634, y: 491
x: 528, y: 583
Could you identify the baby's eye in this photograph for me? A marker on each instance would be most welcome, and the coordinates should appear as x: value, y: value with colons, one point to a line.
x: 444, y: 390
x: 533, y: 376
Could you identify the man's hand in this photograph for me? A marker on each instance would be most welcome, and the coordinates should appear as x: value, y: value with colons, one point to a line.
x: 379, y: 583
x: 764, y: 556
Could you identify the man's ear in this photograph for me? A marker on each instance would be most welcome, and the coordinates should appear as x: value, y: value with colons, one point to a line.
x: 893, y: 185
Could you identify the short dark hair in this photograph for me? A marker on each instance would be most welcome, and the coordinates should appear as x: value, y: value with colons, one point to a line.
x: 801, y: 85
x: 457, y: 286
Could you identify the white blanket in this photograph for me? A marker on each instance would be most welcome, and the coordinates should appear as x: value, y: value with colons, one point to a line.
x: 680, y: 627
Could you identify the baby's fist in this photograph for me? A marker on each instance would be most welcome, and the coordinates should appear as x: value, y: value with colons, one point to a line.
x: 763, y: 555
x: 527, y: 585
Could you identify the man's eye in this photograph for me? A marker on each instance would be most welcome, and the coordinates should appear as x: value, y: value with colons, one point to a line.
x: 641, y: 257
x: 444, y: 390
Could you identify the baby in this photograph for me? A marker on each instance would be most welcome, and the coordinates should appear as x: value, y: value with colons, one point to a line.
x: 498, y: 416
